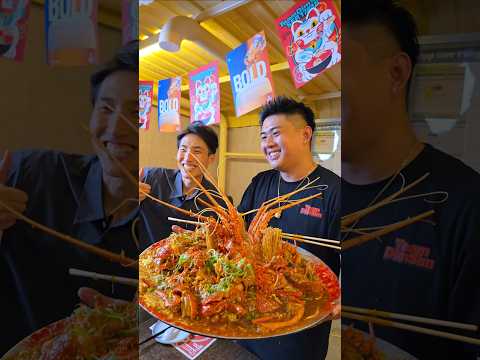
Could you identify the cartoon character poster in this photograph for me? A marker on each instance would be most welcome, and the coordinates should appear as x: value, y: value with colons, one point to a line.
x: 205, y: 94
x: 71, y: 31
x: 129, y: 20
x: 13, y: 28
x: 250, y: 74
x: 310, y: 32
x: 145, y: 97
x: 169, y: 93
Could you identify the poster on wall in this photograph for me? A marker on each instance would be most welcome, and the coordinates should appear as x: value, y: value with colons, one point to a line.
x: 145, y: 100
x: 205, y: 94
x: 71, y: 32
x: 13, y: 28
x: 169, y: 94
x: 310, y: 33
x: 129, y: 20
x: 250, y: 74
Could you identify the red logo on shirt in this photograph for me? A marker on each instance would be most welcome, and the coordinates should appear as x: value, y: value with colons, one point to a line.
x: 311, y: 211
x: 404, y: 253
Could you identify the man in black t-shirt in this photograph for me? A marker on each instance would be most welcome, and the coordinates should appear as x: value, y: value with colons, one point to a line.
x: 427, y: 269
x: 286, y: 135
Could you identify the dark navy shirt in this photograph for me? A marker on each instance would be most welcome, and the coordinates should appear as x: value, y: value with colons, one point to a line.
x: 430, y: 268
x: 318, y: 217
x: 65, y: 193
x: 166, y: 185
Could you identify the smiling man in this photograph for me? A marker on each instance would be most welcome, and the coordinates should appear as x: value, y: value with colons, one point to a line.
x: 84, y: 196
x: 177, y: 186
x: 287, y: 129
x: 426, y: 269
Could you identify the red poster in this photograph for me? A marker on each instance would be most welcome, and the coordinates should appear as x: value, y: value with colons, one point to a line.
x: 145, y: 100
x: 13, y: 28
x: 205, y: 94
x: 310, y: 32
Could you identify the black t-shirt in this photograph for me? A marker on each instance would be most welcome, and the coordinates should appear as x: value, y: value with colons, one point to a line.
x: 318, y: 217
x: 427, y: 269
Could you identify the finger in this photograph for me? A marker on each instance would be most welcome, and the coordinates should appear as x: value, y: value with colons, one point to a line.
x: 140, y: 173
x: 5, y: 166
x: 4, y: 225
x: 93, y: 298
x: 16, y: 206
x: 12, y: 194
x: 177, y: 229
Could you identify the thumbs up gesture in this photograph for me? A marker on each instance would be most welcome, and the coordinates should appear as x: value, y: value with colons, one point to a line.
x: 14, y: 198
x: 142, y: 187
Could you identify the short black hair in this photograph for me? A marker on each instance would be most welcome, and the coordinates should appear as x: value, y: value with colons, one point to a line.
x: 390, y: 14
x: 126, y: 59
x: 288, y: 106
x: 204, y: 132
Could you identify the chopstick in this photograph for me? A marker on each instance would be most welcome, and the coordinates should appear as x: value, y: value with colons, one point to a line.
x: 385, y: 230
x: 413, y: 328
x: 386, y: 314
x: 83, y: 245
x: 313, y: 238
x: 352, y: 217
x: 154, y: 336
x: 124, y: 118
x: 185, y: 221
x: 300, y: 239
x: 97, y: 276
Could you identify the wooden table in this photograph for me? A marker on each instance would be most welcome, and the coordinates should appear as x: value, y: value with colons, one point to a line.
x: 220, y: 349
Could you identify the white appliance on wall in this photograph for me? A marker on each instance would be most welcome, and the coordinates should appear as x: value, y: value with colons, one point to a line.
x: 327, y: 144
x: 444, y: 102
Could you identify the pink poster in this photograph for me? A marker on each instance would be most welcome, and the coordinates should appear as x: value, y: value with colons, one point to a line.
x: 13, y: 28
x: 205, y: 94
x: 71, y: 31
x: 310, y: 32
x: 250, y: 74
x: 145, y: 99
x: 129, y: 20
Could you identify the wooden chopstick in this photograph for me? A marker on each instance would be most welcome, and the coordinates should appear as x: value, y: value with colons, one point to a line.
x: 313, y: 238
x: 83, y: 245
x: 124, y: 118
x: 413, y: 328
x: 299, y: 239
x: 390, y: 315
x: 185, y: 221
x: 352, y: 217
x: 386, y: 230
x: 97, y: 276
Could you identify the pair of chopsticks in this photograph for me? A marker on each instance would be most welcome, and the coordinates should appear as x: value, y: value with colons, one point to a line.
x: 384, y: 318
x: 292, y: 237
x: 312, y: 240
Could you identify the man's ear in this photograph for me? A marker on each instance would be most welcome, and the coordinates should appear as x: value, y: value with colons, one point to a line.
x: 307, y: 134
x: 211, y: 159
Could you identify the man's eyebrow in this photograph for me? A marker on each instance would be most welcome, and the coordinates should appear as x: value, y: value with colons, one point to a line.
x: 269, y: 130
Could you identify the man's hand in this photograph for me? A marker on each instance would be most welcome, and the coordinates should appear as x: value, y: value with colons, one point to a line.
x: 14, y: 198
x: 179, y: 230
x: 92, y: 298
x: 336, y: 312
x: 142, y: 187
